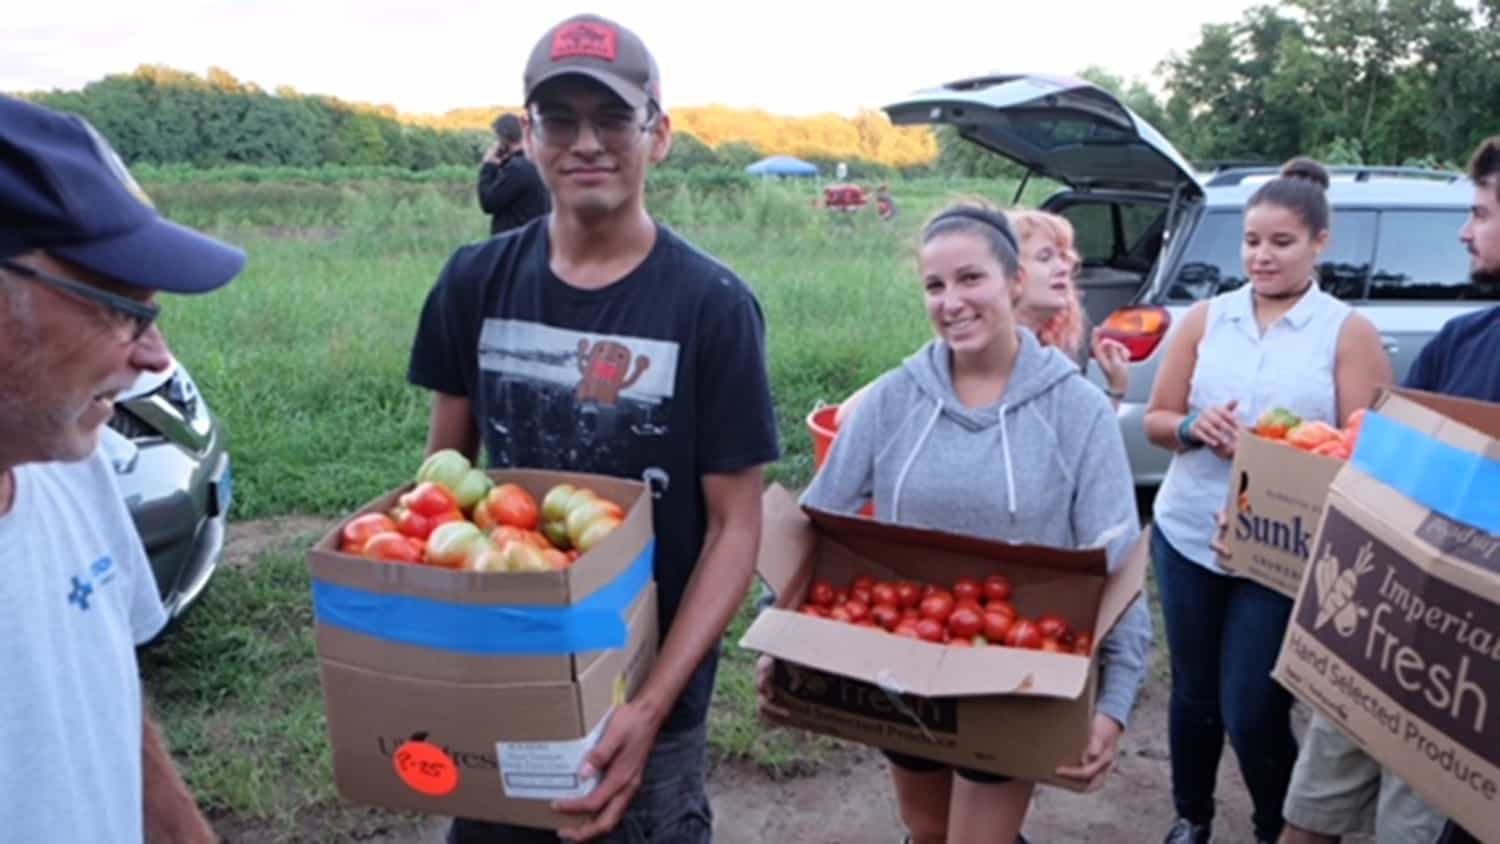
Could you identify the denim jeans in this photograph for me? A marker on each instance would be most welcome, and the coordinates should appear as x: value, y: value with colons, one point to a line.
x: 671, y: 806
x: 1224, y: 634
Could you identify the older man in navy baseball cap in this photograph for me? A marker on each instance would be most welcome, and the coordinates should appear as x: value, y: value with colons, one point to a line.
x: 82, y: 255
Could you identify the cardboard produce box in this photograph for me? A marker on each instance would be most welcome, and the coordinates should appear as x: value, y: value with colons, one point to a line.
x: 1276, y: 495
x: 476, y: 694
x: 1003, y: 710
x: 1395, y: 635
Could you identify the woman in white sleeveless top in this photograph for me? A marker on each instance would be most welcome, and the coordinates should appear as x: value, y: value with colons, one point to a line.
x: 1278, y: 341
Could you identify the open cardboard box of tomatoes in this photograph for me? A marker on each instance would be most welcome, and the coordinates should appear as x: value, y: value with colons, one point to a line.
x: 966, y: 706
x: 475, y: 693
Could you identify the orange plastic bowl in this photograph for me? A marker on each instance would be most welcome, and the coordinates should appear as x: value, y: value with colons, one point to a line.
x: 822, y: 427
x: 820, y: 423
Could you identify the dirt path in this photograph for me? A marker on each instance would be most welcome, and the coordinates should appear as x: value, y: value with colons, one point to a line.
x: 850, y: 800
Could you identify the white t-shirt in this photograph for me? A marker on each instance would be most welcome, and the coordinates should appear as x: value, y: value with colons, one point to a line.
x: 76, y: 596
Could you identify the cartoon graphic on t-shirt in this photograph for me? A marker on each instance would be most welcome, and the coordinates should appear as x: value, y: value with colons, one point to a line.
x: 603, y: 368
x: 584, y: 401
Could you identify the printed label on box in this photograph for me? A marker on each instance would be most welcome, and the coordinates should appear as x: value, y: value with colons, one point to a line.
x: 547, y: 770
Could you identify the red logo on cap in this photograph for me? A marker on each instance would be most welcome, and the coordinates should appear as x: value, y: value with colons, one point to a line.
x: 584, y: 38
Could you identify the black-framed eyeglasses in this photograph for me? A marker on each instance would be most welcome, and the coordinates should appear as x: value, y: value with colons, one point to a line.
x: 135, y: 318
x: 614, y: 129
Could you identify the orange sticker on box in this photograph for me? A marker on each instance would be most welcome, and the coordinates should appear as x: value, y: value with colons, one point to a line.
x: 424, y: 767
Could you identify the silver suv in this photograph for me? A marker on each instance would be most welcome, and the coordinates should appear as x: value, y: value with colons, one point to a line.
x: 1157, y: 235
x: 169, y: 456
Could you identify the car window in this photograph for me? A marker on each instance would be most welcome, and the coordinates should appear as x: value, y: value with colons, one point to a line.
x: 1143, y: 230
x: 1051, y: 132
x: 1211, y: 262
x: 1420, y: 258
x: 1093, y: 230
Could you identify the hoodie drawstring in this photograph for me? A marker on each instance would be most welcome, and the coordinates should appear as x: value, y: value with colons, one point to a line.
x: 937, y: 411
x: 1010, y: 476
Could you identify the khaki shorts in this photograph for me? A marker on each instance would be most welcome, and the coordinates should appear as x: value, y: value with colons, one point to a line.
x: 1337, y: 789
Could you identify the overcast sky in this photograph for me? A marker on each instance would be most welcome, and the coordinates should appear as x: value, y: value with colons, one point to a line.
x: 785, y: 57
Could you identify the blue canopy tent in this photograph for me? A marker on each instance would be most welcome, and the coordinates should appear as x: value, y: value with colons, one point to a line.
x: 782, y: 165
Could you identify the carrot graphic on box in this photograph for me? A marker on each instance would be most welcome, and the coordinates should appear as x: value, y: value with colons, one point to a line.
x: 1336, y: 587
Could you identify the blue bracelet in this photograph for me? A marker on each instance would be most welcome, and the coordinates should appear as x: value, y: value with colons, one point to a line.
x: 1185, y: 434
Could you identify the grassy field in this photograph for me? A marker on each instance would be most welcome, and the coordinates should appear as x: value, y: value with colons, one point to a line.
x: 304, y: 357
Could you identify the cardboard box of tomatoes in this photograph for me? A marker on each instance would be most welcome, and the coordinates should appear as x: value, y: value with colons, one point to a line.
x: 474, y: 631
x: 1277, y: 484
x: 934, y: 644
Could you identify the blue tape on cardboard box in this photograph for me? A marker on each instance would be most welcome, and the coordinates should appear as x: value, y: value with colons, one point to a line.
x: 596, y: 623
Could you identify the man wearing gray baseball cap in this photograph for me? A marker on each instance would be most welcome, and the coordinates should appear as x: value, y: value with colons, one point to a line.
x: 595, y: 339
x: 82, y: 255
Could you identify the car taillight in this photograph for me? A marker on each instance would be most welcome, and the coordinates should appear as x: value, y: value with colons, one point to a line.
x: 1139, y: 328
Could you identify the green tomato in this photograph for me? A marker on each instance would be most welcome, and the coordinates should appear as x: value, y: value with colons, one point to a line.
x: 472, y: 488
x: 446, y: 467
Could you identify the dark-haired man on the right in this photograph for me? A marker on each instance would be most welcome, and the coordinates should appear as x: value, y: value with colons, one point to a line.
x: 1336, y: 788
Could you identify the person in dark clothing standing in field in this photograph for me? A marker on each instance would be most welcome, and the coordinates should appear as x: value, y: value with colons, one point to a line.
x: 510, y: 189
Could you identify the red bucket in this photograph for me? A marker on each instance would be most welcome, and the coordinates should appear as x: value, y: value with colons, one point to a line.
x: 820, y: 423
x: 823, y: 429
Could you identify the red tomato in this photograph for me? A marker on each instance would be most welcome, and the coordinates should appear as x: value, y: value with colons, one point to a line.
x: 971, y: 603
x: 820, y: 593
x: 814, y: 609
x: 908, y: 594
x: 509, y: 504
x: 960, y: 643
x: 865, y: 622
x: 1051, y: 626
x: 930, y: 630
x: 966, y: 587
x: 360, y: 528
x: 838, y: 613
x: 1051, y: 646
x: 1003, y: 608
x: 1023, y: 634
x: 885, y: 615
x: 911, y: 614
x: 1083, y: 644
x: 937, y: 607
x: 429, y: 499
x: 928, y: 589
x: 996, y: 588
x: 840, y: 596
x: 908, y: 629
x: 392, y: 547
x: 861, y: 594
x: 864, y: 582
x: 883, y: 595
x: 996, y: 625
x: 965, y: 623
x: 857, y: 610
x: 419, y: 526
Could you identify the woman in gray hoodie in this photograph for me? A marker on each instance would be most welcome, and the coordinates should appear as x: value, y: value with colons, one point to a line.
x: 986, y: 432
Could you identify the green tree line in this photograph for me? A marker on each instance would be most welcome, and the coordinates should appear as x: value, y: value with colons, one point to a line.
x: 158, y: 115
x: 1351, y: 81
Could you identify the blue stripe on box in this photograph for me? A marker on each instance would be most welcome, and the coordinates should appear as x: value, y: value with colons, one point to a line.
x: 596, y: 623
x: 1459, y: 484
